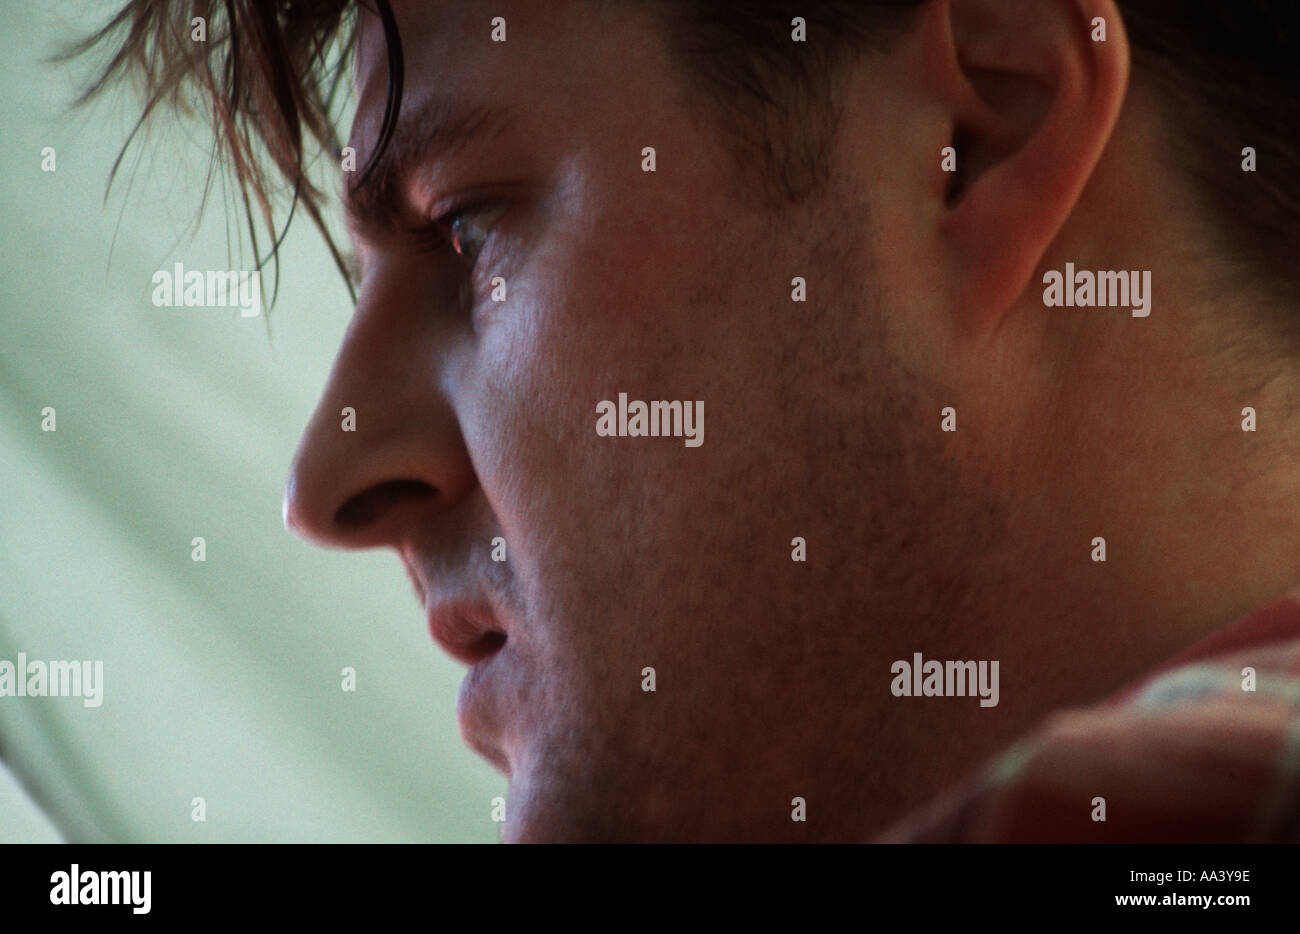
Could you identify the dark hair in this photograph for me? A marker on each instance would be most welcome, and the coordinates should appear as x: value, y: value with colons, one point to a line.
x: 1229, y: 74
x: 271, y: 70
x: 268, y: 73
x: 774, y: 98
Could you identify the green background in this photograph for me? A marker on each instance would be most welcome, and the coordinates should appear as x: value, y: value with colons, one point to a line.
x: 222, y: 678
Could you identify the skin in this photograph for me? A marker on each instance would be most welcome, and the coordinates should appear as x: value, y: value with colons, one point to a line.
x: 476, y: 419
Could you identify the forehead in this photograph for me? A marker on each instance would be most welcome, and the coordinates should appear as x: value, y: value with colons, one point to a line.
x: 449, y: 52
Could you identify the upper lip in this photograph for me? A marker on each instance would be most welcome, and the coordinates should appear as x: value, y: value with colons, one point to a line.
x: 468, y: 631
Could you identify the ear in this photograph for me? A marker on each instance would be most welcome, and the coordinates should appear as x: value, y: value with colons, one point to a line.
x: 1033, y: 96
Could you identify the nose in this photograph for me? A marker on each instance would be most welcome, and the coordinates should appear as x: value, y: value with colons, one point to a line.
x: 383, y: 450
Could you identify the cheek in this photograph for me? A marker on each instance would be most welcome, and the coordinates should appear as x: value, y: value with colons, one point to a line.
x: 603, y: 529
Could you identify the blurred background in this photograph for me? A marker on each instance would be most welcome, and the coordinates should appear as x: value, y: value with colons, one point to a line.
x: 222, y: 678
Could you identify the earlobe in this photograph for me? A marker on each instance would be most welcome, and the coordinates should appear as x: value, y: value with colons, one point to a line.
x: 1035, y: 98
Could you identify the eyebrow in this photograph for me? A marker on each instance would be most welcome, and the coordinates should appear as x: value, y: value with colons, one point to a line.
x: 433, y: 130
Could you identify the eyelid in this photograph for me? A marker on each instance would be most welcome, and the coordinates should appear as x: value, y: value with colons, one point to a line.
x: 473, y: 199
x: 441, y: 209
x: 467, y: 206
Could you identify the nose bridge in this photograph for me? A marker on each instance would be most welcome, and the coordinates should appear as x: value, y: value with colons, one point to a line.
x: 383, y: 441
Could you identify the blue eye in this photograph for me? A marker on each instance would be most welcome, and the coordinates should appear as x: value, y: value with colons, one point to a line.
x: 467, y: 229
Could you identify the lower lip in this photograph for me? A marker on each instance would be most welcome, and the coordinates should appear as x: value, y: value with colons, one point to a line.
x: 471, y: 710
x: 471, y: 689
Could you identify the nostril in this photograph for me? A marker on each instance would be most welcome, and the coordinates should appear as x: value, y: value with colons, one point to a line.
x: 369, y: 505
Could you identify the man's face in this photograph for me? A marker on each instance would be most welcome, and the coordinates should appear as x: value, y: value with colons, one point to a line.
x: 477, y: 419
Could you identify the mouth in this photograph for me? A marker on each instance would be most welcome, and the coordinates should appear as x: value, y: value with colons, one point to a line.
x: 470, y: 633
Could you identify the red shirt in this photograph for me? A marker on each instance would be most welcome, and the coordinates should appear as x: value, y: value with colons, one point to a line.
x: 1196, y: 751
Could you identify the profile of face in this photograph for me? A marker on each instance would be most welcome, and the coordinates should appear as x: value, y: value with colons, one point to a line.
x: 673, y: 641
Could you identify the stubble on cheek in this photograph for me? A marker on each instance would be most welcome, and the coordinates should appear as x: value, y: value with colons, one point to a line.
x: 642, y: 553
